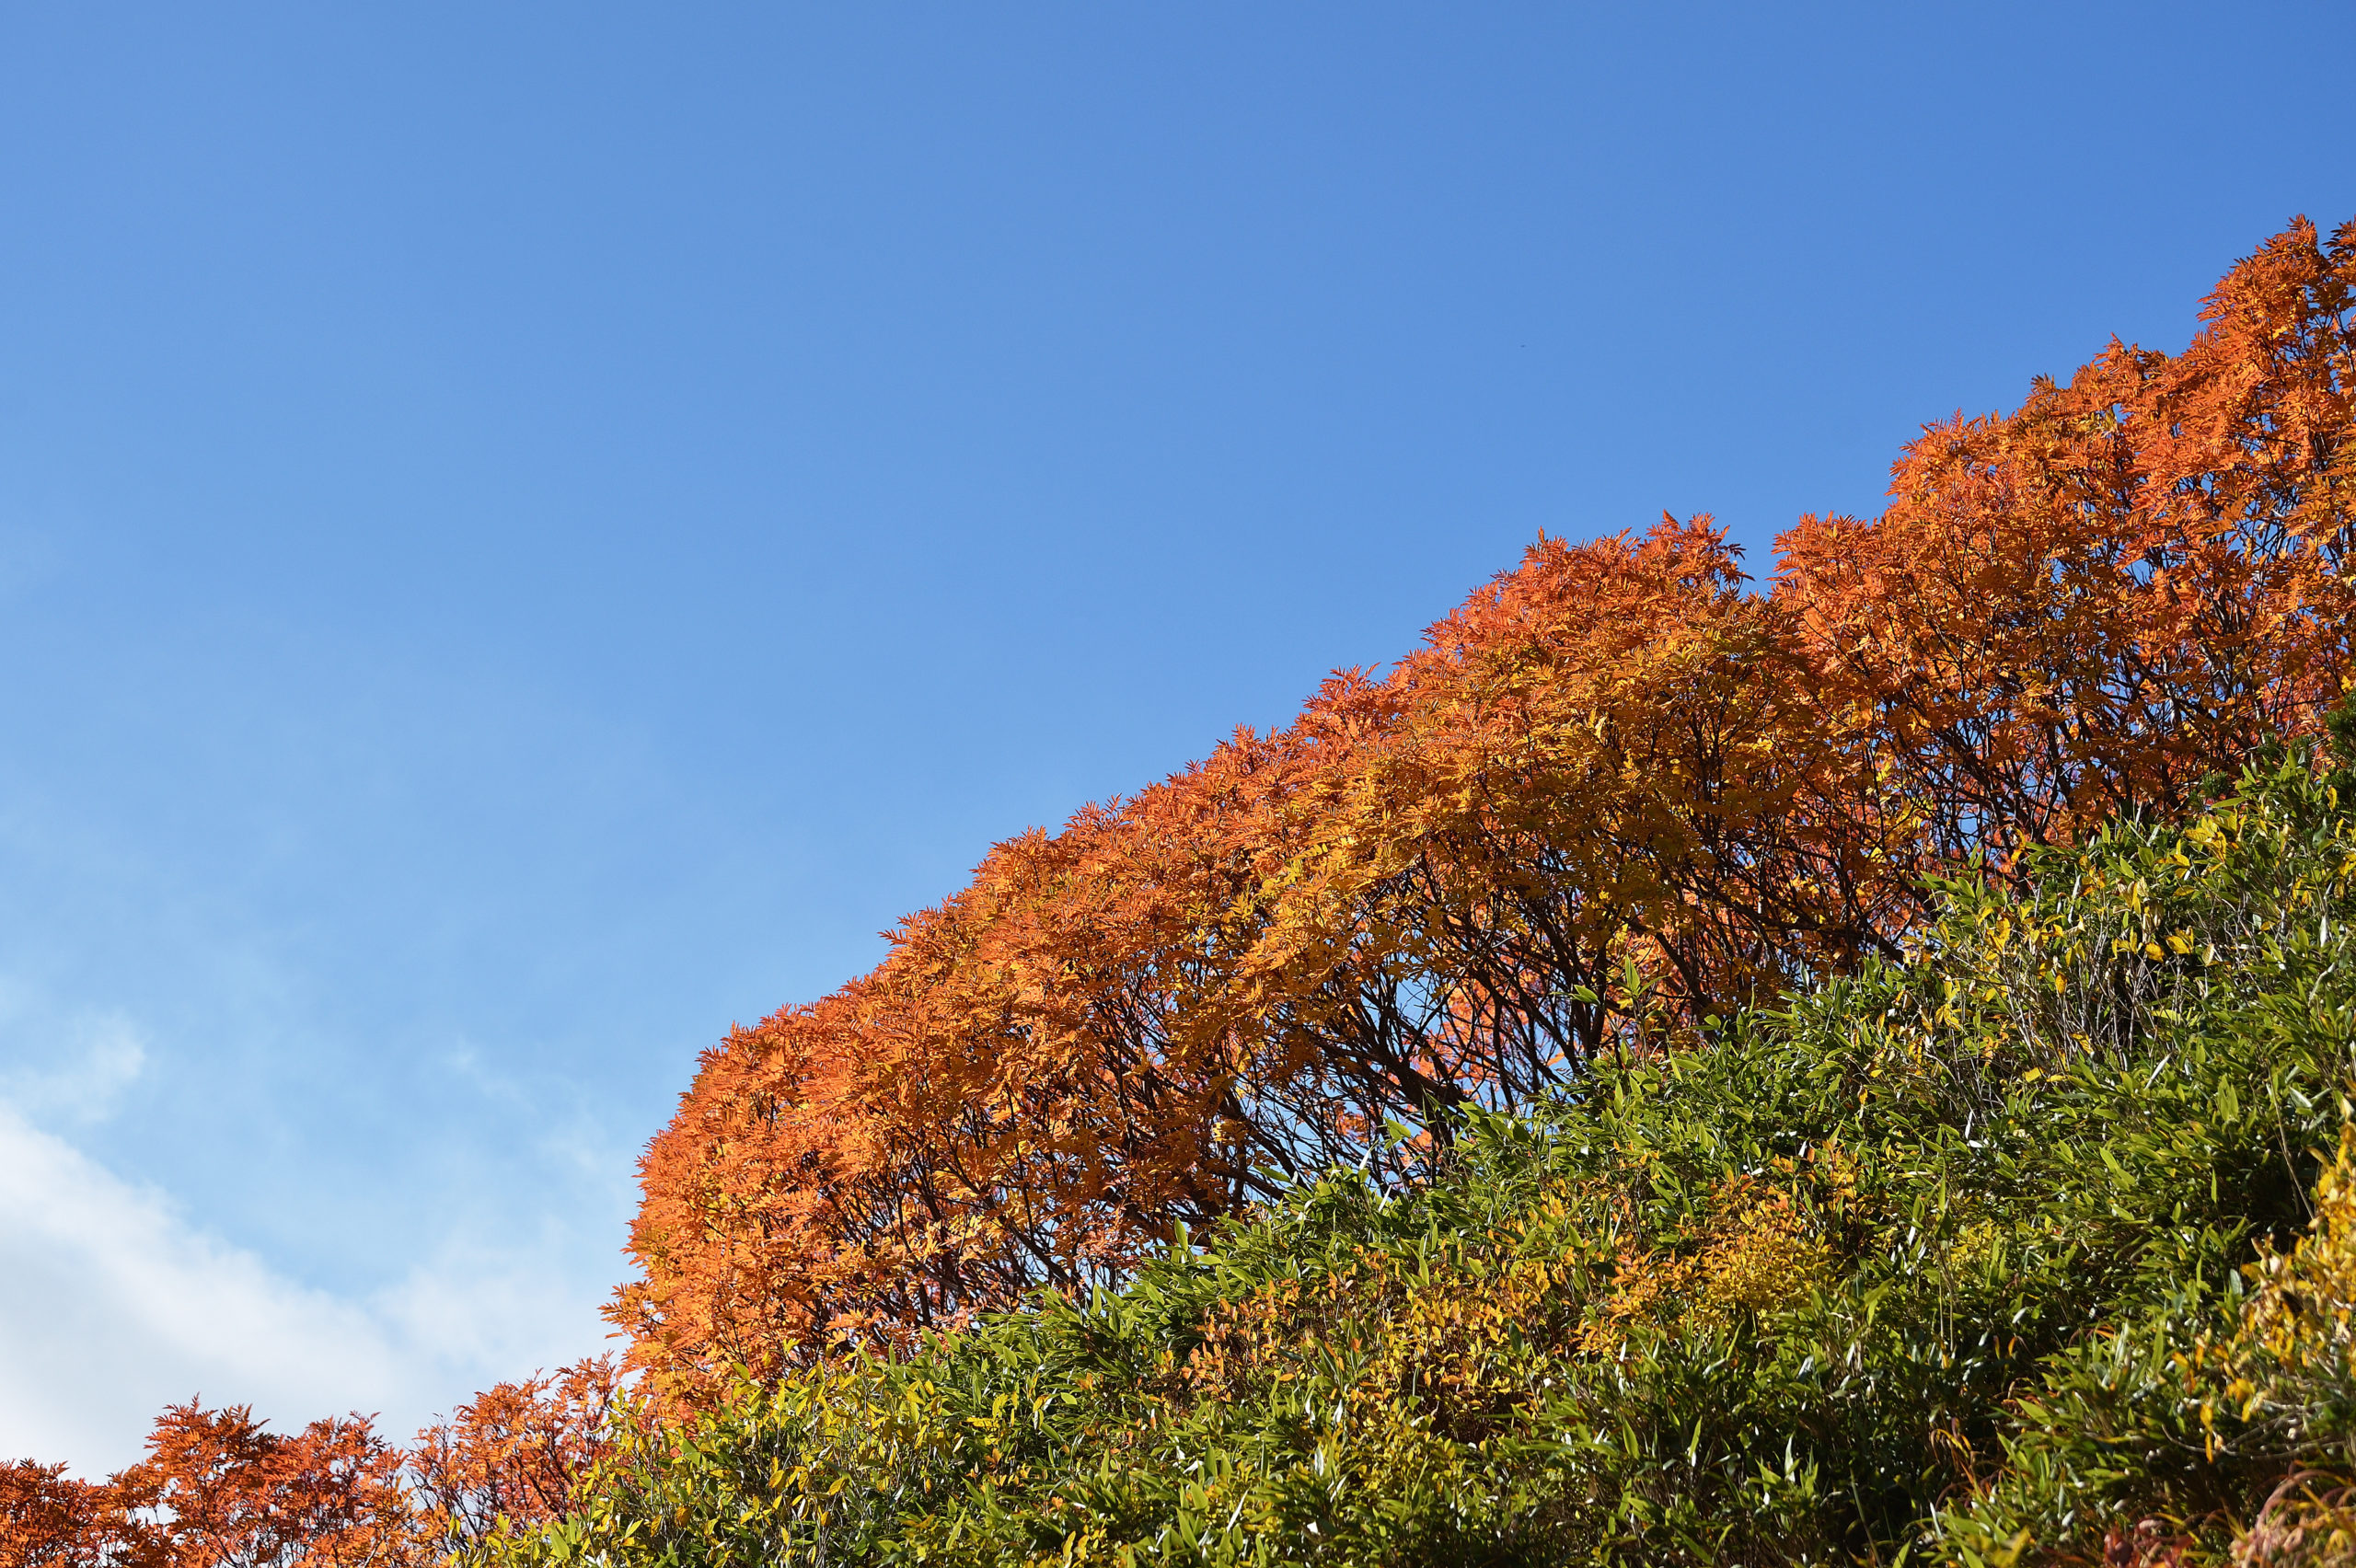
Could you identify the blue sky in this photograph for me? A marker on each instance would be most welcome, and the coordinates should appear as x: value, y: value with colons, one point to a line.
x: 527, y: 534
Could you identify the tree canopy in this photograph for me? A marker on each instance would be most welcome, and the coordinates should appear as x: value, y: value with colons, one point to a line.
x: 1621, y: 792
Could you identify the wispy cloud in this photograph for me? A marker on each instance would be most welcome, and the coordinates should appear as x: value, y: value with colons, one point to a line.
x: 116, y: 1305
x: 92, y: 1059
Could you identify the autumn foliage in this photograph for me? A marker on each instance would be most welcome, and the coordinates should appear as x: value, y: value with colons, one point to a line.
x: 1621, y: 792
x: 1453, y: 928
x: 218, y: 1489
x: 2035, y: 1249
x: 515, y: 1452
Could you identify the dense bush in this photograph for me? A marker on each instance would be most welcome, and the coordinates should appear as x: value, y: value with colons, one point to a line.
x: 2032, y: 1247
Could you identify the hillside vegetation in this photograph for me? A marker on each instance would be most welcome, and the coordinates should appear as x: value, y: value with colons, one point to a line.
x: 2038, y: 1245
x: 1848, y: 1068
x: 1617, y: 797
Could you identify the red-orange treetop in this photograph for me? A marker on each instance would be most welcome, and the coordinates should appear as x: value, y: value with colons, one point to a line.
x: 1615, y: 794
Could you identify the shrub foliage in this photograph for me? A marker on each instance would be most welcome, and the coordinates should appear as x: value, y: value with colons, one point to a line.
x: 1616, y: 796
x: 2037, y: 1243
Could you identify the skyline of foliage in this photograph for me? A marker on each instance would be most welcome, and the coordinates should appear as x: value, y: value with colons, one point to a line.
x: 2037, y: 1247
x: 1705, y: 920
x: 1616, y: 795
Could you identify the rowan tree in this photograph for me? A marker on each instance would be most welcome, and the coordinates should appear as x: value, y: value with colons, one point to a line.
x: 219, y: 1489
x: 513, y: 1453
x: 49, y: 1520
x: 1620, y: 793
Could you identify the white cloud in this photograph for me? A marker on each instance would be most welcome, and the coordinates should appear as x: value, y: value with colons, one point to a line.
x: 112, y: 1305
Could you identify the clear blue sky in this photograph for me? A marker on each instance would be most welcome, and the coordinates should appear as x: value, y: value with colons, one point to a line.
x: 527, y: 534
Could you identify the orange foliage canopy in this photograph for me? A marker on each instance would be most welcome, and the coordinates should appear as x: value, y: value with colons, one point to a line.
x: 514, y: 1451
x: 216, y: 1487
x: 1614, y: 795
x: 48, y: 1520
x: 219, y: 1489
